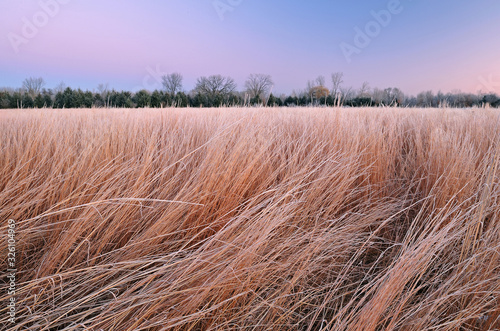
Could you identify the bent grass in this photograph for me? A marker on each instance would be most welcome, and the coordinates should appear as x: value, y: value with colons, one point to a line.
x: 316, y: 219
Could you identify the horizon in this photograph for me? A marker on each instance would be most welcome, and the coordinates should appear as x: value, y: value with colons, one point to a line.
x: 414, y: 46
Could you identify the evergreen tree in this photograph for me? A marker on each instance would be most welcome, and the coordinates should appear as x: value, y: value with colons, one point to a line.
x: 217, y: 100
x: 68, y: 99
x: 39, y: 102
x: 330, y: 100
x: 181, y: 100
x: 142, y: 99
x: 59, y: 100
x: 303, y: 101
x: 255, y: 101
x: 234, y: 100
x: 291, y: 101
x: 28, y: 101
x: 279, y: 102
x: 88, y: 99
x: 97, y: 100
x: 126, y: 100
x: 166, y: 99
x: 4, y: 100
x: 47, y: 98
x: 271, y: 101
x: 196, y: 101
x: 15, y: 100
x: 156, y: 99
x: 78, y: 99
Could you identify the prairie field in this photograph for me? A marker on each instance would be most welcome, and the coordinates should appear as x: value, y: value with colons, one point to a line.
x: 252, y: 218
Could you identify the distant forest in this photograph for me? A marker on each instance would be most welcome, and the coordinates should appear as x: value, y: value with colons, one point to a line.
x: 220, y: 91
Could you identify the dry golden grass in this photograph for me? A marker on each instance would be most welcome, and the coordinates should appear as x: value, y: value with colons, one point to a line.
x: 258, y: 219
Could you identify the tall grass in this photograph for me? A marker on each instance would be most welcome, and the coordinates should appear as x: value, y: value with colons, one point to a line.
x: 265, y: 219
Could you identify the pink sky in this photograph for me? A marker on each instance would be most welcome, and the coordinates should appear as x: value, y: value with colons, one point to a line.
x: 129, y: 44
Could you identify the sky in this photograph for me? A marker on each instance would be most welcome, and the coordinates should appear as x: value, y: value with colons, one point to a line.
x: 415, y: 45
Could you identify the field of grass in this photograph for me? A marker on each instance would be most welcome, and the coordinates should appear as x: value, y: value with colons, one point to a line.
x: 254, y: 219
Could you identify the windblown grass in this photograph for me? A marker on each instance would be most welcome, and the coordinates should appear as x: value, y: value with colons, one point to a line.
x: 265, y: 219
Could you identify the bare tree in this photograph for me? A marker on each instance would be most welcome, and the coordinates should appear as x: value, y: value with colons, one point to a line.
x: 60, y: 87
x: 399, y: 96
x: 378, y: 96
x: 103, y: 90
x: 424, y: 99
x: 310, y: 88
x: 345, y: 94
x: 215, y: 85
x: 33, y: 85
x: 364, y: 91
x: 172, y: 83
x: 316, y: 89
x: 258, y: 85
x: 320, y: 81
x: 337, y: 81
x: 394, y: 97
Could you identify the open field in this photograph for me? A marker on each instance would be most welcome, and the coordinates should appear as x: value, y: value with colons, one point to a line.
x: 265, y: 219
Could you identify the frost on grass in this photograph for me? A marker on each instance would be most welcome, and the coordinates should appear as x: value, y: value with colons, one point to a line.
x: 333, y: 219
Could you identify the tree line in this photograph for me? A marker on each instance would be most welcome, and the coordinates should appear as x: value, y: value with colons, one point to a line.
x: 219, y: 91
